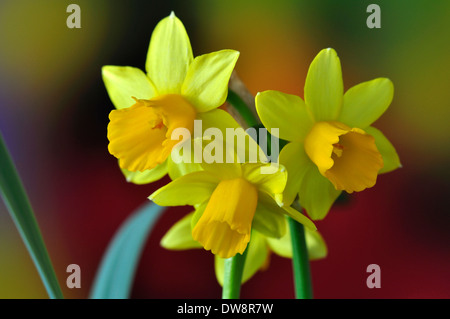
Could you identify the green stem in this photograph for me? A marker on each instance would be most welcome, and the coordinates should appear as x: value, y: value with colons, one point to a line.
x: 300, y: 261
x: 16, y: 200
x: 234, y: 268
x: 242, y: 108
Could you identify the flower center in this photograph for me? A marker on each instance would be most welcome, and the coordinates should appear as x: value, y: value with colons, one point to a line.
x: 225, y: 226
x: 141, y: 136
x: 348, y: 157
x: 338, y: 149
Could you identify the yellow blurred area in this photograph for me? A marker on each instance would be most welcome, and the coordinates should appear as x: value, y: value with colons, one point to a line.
x: 39, y: 53
x: 274, y: 48
x: 18, y: 276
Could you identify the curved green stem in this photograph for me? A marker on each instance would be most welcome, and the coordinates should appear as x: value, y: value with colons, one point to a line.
x: 234, y: 268
x: 300, y: 261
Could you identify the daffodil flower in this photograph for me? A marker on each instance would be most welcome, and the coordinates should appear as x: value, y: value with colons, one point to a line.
x: 230, y: 200
x: 175, y: 90
x: 260, y: 247
x: 332, y: 145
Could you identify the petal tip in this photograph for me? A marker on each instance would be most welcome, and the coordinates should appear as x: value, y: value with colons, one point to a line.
x: 330, y: 51
x: 105, y: 68
x: 152, y: 196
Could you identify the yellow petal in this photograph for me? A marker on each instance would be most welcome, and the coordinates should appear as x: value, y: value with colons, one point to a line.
x: 285, y: 112
x: 317, y: 248
x: 225, y: 226
x: 176, y: 113
x: 199, y: 209
x: 269, y: 217
x: 366, y: 102
x: 270, y: 204
x: 206, y: 83
x: 217, y: 118
x: 181, y: 168
x: 238, y: 142
x: 257, y: 256
x: 221, y: 169
x: 136, y: 138
x: 391, y: 160
x: 358, y: 167
x: 212, y: 122
x: 348, y: 157
x: 319, y: 143
x: 147, y: 176
x: 190, y: 189
x: 141, y: 136
x: 124, y: 82
x: 299, y: 217
x: 215, y: 156
x: 169, y: 55
x: 273, y: 183
x: 179, y: 236
x: 296, y: 162
x: 281, y: 246
x: 324, y: 87
x: 317, y: 194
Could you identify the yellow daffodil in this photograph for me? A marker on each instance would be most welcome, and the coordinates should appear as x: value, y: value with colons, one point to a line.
x: 260, y: 247
x: 176, y: 90
x: 230, y: 200
x: 332, y: 145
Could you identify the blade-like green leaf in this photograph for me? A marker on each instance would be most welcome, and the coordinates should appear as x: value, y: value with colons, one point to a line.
x: 116, y: 272
x: 19, y: 207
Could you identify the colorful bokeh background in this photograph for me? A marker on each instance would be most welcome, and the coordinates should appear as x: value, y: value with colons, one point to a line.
x: 54, y: 112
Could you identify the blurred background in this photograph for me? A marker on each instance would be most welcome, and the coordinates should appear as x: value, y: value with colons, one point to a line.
x: 54, y: 112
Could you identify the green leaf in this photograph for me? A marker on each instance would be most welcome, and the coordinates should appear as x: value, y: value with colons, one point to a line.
x: 19, y: 207
x: 116, y: 272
